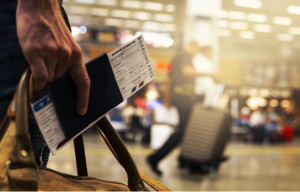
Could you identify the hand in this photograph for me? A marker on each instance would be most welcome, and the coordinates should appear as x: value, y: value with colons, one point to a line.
x: 49, y: 47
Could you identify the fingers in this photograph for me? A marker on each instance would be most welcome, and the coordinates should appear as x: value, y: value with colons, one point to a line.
x: 81, y: 79
x: 39, y: 72
x: 64, y: 55
x: 49, y: 49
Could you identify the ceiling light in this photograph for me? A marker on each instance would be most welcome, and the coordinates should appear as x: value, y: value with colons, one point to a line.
x: 273, y: 103
x: 237, y: 15
x: 142, y: 15
x: 163, y: 17
x: 82, y: 29
x: 257, y: 17
x: 256, y: 4
x: 76, y: 19
x: 78, y: 10
x: 85, y: 1
x: 275, y: 93
x: 99, y: 12
x: 168, y: 42
x: 153, y: 6
x: 282, y: 21
x: 285, y: 103
x: 294, y: 9
x: 252, y: 92
x: 224, y: 32
x: 247, y: 35
x: 285, y: 37
x: 256, y: 102
x: 152, y: 26
x: 238, y: 25
x: 131, y: 4
x: 170, y: 8
x: 121, y: 13
x: 223, y: 14
x: 113, y: 22
x: 222, y: 23
x: 132, y: 24
x: 285, y: 93
x: 262, y: 28
x: 264, y: 93
x: 109, y: 3
x: 169, y: 27
x: 294, y: 30
x: 75, y: 31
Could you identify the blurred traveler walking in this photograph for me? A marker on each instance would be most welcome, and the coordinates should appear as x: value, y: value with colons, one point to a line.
x: 182, y: 76
x: 36, y: 34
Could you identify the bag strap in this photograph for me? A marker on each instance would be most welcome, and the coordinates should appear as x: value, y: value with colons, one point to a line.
x: 122, y: 155
x: 80, y: 156
x: 135, y: 182
x: 22, y: 156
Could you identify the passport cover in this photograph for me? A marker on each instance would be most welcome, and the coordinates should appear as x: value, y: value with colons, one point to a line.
x: 104, y: 96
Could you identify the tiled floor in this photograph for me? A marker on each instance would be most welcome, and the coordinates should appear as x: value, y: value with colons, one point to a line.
x: 250, y: 167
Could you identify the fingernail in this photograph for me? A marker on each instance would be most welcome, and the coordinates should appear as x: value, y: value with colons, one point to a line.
x: 82, y: 111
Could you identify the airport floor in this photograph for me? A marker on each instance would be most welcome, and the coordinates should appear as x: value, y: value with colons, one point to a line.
x: 250, y: 167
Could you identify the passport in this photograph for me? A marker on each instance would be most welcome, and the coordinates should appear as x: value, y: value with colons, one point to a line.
x: 114, y: 78
x: 104, y: 96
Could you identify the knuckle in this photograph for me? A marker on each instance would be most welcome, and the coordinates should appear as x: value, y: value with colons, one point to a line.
x: 32, y: 49
x: 64, y: 53
x: 42, y: 77
x: 77, y: 52
x: 85, y: 82
x: 50, y: 48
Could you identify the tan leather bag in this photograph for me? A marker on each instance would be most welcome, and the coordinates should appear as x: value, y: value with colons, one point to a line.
x: 19, y: 171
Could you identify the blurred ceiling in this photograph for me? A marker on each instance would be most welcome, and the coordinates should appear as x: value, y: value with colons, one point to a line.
x: 272, y: 28
x: 151, y: 15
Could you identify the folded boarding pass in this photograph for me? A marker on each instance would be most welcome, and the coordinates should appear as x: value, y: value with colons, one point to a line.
x: 114, y: 78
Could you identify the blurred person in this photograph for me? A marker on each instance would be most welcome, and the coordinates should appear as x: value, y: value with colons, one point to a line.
x: 257, y: 118
x: 182, y: 77
x: 138, y: 116
x: 273, y: 125
x: 36, y: 34
x: 272, y: 120
x: 289, y: 123
x: 206, y: 84
x: 257, y: 125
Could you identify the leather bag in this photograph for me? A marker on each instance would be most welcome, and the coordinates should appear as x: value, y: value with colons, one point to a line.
x: 19, y: 171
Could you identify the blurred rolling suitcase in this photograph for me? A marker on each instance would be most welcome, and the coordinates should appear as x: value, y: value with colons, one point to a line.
x: 205, y: 138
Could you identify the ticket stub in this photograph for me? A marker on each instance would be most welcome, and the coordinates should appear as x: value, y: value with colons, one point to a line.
x: 48, y: 123
x: 132, y: 69
x: 132, y: 66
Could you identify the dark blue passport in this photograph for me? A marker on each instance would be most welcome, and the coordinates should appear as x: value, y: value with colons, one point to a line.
x: 104, y: 96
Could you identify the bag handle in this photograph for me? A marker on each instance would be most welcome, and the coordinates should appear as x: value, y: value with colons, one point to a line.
x: 22, y: 155
x: 119, y: 156
x: 135, y: 182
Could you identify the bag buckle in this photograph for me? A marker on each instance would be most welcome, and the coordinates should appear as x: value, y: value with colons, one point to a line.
x: 8, y: 163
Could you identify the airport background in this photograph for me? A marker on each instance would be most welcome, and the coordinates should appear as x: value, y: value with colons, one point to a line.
x: 253, y: 50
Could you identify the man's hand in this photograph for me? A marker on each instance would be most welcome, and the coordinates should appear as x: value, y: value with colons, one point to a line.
x: 49, y: 48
